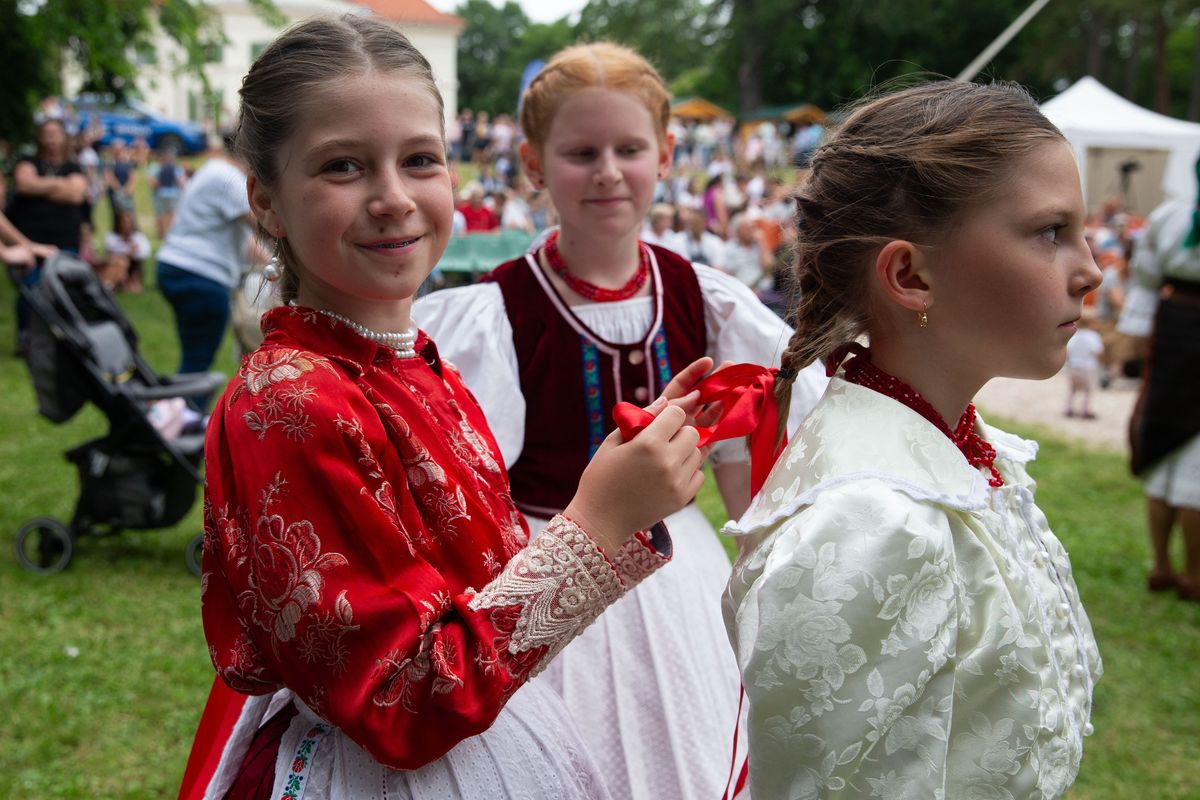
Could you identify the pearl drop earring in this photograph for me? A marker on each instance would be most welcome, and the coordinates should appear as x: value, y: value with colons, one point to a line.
x: 273, y: 271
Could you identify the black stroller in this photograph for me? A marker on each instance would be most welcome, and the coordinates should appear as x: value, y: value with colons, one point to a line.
x: 83, y: 349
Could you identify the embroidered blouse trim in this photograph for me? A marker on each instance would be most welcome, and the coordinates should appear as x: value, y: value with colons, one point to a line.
x: 555, y: 587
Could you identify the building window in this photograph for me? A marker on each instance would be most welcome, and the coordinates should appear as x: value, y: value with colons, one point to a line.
x: 256, y: 49
x: 214, y: 53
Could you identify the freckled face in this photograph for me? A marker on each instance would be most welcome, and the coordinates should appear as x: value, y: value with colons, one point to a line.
x: 1008, y: 284
x: 364, y: 195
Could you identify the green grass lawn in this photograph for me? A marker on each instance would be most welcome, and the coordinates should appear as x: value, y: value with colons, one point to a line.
x: 104, y: 670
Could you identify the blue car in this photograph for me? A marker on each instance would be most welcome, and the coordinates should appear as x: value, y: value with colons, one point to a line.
x: 128, y: 120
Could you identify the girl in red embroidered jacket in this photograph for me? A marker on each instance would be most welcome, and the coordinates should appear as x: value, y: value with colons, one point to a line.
x: 366, y: 575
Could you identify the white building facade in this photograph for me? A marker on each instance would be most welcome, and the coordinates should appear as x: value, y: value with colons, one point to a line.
x: 165, y: 86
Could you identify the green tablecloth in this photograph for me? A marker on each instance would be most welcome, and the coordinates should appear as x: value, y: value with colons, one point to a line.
x: 482, y: 252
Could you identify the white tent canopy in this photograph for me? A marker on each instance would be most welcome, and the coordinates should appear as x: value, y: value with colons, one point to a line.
x: 1108, y: 132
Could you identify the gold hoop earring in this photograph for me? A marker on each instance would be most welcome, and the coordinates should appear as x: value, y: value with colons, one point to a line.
x: 923, y: 317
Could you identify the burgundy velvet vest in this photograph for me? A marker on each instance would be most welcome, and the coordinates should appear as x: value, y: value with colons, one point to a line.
x: 571, y: 378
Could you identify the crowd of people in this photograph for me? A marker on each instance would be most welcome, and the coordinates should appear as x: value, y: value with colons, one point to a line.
x: 451, y: 546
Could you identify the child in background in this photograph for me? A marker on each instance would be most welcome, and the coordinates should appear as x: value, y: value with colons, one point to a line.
x: 550, y: 342
x: 910, y: 626
x: 367, y: 578
x: 1084, y: 353
x: 167, y: 180
x: 125, y: 250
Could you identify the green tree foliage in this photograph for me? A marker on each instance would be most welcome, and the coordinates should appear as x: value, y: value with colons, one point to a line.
x: 670, y: 33
x: 100, y: 38
x: 494, y: 48
x: 746, y: 53
x: 497, y: 43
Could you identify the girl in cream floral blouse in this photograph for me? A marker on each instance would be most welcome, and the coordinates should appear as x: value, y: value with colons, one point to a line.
x: 909, y: 626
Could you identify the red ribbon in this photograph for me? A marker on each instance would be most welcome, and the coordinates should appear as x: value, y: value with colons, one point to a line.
x: 747, y: 396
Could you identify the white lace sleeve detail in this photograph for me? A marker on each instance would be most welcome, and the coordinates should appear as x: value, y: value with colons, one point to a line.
x: 645, y: 553
x: 560, y: 582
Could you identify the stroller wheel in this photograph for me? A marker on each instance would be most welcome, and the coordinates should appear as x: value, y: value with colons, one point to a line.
x: 44, y: 546
x: 192, y: 554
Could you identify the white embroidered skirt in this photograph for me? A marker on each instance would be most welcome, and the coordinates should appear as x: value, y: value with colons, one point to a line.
x: 653, y: 684
x: 531, y: 752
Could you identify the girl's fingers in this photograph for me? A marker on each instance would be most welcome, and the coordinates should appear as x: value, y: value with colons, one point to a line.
x: 687, y: 377
x: 687, y: 436
x: 666, y: 422
x: 689, y: 402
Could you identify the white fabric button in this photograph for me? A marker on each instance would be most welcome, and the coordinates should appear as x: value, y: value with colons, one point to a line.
x: 636, y: 356
x: 1063, y: 610
x: 1088, y: 730
x: 1079, y: 671
x: 642, y: 394
x: 1038, y: 561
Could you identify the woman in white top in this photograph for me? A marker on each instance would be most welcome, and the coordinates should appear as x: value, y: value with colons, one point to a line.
x: 201, y: 260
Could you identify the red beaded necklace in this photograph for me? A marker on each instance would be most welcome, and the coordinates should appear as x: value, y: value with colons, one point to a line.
x: 590, y: 290
x: 860, y: 370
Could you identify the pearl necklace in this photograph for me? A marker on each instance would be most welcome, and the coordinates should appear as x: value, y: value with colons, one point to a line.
x: 403, y: 344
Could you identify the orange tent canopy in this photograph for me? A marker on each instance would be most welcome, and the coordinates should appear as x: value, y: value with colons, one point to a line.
x: 697, y: 108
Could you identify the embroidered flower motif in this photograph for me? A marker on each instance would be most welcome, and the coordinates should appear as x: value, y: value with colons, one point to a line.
x: 321, y: 642
x: 921, y: 604
x: 266, y: 367
x: 285, y: 572
x: 405, y: 674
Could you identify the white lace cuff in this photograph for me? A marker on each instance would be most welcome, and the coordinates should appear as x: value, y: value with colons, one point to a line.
x: 549, y: 592
x: 645, y: 552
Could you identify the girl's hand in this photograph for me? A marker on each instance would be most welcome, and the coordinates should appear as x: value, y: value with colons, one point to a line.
x: 679, y: 392
x: 629, y: 486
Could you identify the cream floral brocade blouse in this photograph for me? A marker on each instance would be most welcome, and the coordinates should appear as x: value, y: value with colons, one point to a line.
x: 905, y: 630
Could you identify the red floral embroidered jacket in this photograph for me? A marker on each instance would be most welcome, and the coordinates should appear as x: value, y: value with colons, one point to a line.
x: 361, y: 547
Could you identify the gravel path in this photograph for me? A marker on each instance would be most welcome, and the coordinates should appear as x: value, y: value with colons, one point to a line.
x: 1043, y: 403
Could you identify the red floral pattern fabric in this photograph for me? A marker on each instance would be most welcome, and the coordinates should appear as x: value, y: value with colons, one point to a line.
x: 360, y: 544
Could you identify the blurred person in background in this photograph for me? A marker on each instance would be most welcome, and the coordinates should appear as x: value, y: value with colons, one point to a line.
x: 167, y: 180
x: 120, y: 177
x: 201, y: 260
x: 701, y: 246
x: 125, y: 251
x: 479, y: 217
x: 747, y: 256
x: 660, y: 229
x: 1165, y: 430
x: 46, y: 203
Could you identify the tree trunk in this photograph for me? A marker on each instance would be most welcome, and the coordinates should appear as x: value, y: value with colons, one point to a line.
x: 1133, y: 64
x: 1095, y: 46
x: 1162, y: 97
x: 1193, y: 109
x: 754, y: 50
